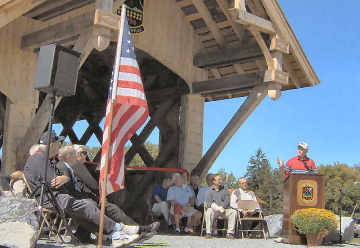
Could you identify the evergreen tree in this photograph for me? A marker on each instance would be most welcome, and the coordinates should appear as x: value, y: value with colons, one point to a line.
x: 265, y: 182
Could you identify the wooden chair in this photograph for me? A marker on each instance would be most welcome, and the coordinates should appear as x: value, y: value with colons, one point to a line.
x: 251, y: 206
x: 49, y: 218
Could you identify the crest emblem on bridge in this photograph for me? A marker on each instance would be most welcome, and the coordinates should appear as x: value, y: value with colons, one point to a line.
x: 135, y: 15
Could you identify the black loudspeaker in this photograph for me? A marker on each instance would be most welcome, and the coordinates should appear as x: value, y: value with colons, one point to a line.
x: 57, y: 70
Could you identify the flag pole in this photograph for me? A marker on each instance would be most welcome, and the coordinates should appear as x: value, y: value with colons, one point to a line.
x: 107, y: 145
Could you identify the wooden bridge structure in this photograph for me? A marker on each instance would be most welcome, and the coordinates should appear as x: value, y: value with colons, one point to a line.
x: 191, y: 52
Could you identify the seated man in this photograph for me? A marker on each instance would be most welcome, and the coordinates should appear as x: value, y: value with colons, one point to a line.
x: 181, y: 197
x: 82, y: 209
x: 200, y: 199
x: 217, y: 200
x: 159, y: 199
x: 88, y: 184
x: 242, y: 193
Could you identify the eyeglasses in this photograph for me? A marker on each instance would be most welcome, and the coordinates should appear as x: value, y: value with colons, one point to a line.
x: 84, y: 153
x: 243, y: 183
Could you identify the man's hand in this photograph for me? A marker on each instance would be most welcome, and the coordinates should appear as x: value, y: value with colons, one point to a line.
x: 59, y: 181
x: 280, y: 162
x: 245, y: 212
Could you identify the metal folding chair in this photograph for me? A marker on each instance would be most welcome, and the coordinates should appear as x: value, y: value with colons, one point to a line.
x: 49, y: 219
x: 251, y: 206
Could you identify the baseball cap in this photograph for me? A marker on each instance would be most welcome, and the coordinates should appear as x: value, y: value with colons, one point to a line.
x: 53, y: 138
x: 303, y: 145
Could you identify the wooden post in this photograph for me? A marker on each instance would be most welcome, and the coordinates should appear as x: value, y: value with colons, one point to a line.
x: 257, y: 94
x: 113, y: 97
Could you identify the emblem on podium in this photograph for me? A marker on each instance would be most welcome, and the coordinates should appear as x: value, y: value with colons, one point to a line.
x: 307, y: 193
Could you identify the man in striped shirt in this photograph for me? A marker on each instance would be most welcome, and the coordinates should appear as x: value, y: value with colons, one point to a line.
x: 298, y: 164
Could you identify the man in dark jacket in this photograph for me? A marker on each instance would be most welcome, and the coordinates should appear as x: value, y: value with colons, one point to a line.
x: 82, y: 209
x: 89, y: 185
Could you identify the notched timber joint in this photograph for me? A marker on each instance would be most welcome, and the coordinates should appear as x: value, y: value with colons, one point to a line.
x: 276, y: 76
x: 243, y: 17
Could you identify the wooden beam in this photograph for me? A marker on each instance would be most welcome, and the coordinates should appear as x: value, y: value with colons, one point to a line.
x: 141, y: 149
x: 59, y: 31
x: 106, y: 19
x: 238, y: 29
x: 252, y: 101
x: 204, y: 12
x: 184, y: 3
x: 9, y: 15
x: 216, y: 73
x: 240, y: 4
x: 284, y: 30
x: 226, y: 56
x: 243, y: 81
x: 279, y: 45
x: 52, y: 9
x: 68, y: 131
x: 164, y: 94
x: 150, y: 126
x: 276, y: 76
x: 3, y: 2
x: 45, y: 7
x: 34, y: 131
x: 252, y: 20
x: 256, y: 8
x: 294, y: 79
x: 265, y: 50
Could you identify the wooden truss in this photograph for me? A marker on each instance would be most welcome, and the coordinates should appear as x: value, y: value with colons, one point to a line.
x: 245, y: 55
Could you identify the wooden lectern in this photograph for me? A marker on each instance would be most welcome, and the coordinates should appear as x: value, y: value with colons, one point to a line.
x: 300, y: 191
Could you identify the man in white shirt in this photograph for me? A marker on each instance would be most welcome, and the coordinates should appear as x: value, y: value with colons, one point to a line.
x: 182, y: 199
x: 242, y: 193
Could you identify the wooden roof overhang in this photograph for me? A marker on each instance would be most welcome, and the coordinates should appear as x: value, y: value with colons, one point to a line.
x: 244, y: 42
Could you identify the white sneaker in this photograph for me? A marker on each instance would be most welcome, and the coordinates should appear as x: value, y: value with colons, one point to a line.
x: 177, y: 230
x: 131, y: 230
x: 186, y: 229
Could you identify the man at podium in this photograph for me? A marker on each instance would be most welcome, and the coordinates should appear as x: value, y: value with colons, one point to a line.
x: 298, y: 164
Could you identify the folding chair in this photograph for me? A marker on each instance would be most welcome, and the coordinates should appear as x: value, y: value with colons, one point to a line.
x: 219, y: 217
x: 50, y: 219
x: 251, y: 206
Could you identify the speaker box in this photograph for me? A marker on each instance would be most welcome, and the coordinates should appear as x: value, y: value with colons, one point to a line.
x: 57, y: 70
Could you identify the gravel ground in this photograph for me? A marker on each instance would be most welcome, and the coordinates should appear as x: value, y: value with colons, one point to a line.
x: 177, y: 241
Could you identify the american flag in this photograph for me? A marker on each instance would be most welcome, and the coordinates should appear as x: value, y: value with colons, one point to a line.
x: 130, y: 111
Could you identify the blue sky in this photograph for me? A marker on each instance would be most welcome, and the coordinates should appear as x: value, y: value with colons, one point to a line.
x: 325, y: 116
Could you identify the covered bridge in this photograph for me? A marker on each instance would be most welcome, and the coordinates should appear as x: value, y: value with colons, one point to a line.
x: 190, y: 52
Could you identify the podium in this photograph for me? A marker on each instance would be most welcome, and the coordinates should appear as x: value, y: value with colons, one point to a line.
x: 300, y: 191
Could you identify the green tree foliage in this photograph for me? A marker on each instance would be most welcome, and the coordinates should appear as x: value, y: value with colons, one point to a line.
x: 341, y: 175
x: 228, y: 179
x: 92, y: 151
x: 265, y: 182
x: 137, y: 161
